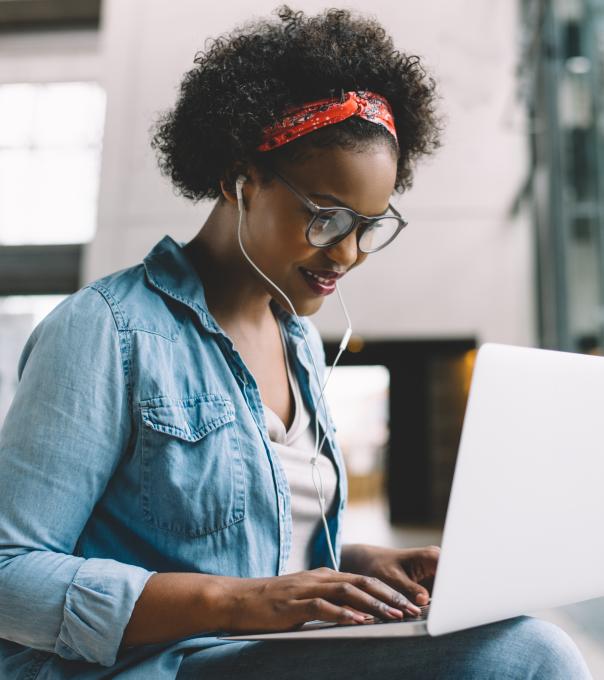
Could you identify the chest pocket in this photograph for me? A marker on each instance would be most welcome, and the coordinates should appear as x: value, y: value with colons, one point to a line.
x: 192, y: 472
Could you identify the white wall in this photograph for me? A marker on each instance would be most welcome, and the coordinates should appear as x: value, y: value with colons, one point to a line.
x: 50, y: 57
x: 461, y: 268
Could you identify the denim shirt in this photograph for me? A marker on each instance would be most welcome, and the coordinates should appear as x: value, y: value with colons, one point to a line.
x: 136, y: 443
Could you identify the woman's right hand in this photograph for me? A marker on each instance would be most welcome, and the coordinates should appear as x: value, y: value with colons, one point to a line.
x: 286, y: 602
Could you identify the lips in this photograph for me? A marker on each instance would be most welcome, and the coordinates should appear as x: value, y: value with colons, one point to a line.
x: 321, y: 281
x: 323, y: 275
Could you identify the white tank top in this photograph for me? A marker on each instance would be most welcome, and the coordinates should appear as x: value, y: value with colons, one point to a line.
x: 295, y: 448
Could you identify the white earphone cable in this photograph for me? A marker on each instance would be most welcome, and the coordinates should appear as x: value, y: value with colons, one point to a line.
x: 316, y: 472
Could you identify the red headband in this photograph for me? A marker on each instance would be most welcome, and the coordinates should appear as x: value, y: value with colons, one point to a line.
x: 300, y: 120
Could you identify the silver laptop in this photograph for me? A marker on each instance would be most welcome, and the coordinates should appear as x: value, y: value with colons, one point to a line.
x: 523, y: 530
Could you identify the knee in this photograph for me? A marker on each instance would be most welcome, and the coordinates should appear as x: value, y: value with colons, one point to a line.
x: 546, y: 651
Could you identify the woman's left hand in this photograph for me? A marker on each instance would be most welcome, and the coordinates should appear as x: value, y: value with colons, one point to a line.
x: 404, y: 569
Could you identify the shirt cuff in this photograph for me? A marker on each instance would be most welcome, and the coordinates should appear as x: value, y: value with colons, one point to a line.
x: 98, y: 606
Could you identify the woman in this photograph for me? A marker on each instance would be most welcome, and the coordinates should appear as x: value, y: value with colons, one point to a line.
x: 156, y: 488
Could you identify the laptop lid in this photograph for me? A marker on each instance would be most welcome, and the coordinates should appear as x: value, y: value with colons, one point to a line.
x: 523, y: 530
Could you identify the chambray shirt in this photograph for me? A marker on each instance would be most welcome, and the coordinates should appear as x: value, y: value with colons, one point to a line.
x: 136, y: 443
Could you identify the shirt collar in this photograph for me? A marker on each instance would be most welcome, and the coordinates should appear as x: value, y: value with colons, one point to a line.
x: 169, y: 270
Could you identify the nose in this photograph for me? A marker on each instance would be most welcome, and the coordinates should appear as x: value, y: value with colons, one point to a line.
x: 345, y: 252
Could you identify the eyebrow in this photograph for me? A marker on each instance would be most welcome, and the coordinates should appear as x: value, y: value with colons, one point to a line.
x: 331, y: 197
x: 340, y: 202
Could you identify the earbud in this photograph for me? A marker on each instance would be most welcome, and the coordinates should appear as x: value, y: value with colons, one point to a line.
x: 239, y: 187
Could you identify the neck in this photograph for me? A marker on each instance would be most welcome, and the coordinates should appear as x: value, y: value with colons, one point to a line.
x: 235, y: 294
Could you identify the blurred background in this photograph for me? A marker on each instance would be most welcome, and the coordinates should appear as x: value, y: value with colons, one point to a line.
x: 505, y: 240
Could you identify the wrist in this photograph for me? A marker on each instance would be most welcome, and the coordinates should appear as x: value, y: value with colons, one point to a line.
x: 211, y: 602
x: 221, y: 601
x: 350, y: 557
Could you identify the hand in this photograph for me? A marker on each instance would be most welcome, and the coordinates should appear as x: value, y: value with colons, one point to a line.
x: 408, y: 570
x: 286, y: 602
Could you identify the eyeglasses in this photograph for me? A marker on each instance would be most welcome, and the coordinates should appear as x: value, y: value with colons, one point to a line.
x: 330, y: 225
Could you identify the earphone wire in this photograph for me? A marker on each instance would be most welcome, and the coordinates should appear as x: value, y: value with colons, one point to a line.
x: 316, y: 478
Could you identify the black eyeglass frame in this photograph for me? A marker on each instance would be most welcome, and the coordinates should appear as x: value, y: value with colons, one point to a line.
x: 318, y: 210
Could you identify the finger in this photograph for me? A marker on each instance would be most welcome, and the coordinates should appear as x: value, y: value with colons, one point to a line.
x: 429, y: 558
x: 422, y: 563
x: 345, y: 593
x: 422, y: 597
x: 363, y: 615
x: 386, y: 592
x: 416, y: 592
x: 319, y: 608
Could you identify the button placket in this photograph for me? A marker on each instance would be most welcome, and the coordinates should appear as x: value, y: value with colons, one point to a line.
x: 252, y: 397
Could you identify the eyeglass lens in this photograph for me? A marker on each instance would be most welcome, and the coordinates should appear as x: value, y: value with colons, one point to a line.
x: 328, y: 227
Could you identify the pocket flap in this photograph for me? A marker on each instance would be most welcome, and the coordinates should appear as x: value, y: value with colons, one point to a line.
x: 189, y: 419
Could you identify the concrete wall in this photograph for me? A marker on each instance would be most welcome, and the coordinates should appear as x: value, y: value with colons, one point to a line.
x: 461, y: 269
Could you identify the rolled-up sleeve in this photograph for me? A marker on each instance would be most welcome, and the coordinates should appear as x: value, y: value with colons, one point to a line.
x: 62, y: 439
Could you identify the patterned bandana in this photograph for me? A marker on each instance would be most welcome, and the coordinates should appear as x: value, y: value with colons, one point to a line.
x: 300, y: 120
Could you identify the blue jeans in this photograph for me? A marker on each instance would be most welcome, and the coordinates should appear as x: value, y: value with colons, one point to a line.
x: 522, y: 648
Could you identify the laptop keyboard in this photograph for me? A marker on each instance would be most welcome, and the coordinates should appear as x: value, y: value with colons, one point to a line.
x: 408, y: 618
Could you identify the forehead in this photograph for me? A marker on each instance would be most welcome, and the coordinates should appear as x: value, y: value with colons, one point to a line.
x: 362, y: 180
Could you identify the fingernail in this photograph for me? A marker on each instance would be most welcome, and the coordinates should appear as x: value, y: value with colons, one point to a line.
x: 395, y: 613
x: 357, y: 618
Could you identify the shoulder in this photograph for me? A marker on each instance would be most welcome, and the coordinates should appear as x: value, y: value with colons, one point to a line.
x: 102, y: 310
x: 80, y: 333
x: 85, y: 311
x: 137, y: 305
x: 90, y: 309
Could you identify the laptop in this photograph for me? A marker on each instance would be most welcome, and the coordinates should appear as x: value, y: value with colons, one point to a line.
x: 523, y: 530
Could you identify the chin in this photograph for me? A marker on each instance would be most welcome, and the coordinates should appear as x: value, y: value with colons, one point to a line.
x: 303, y: 306
x: 308, y: 307
x: 312, y: 307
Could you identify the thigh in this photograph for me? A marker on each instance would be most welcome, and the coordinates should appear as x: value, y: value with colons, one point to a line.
x: 521, y: 648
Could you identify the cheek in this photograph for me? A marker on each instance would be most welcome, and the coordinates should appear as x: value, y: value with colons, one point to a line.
x: 288, y: 237
x: 278, y: 233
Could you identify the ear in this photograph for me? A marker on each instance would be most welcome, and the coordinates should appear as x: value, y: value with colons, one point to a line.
x: 227, y: 183
x: 228, y: 191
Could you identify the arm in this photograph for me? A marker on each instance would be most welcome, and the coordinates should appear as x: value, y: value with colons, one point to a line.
x: 174, y: 605
x: 62, y: 439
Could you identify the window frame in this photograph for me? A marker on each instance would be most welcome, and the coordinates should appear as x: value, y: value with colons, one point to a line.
x: 49, y: 14
x: 40, y: 269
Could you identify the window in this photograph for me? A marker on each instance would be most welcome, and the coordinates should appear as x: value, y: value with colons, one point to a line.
x: 50, y: 149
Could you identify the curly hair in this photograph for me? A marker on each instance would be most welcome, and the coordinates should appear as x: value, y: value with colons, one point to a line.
x: 247, y: 78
